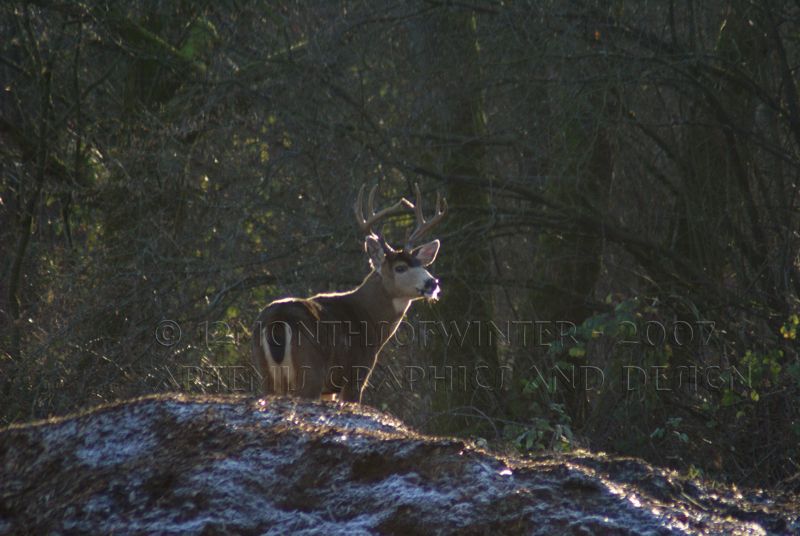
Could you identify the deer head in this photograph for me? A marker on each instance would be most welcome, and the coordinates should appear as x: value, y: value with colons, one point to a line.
x: 402, y: 271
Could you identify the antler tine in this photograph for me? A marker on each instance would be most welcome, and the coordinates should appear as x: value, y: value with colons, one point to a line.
x: 423, y: 227
x: 366, y: 223
x: 371, y: 201
x: 358, y: 208
x: 418, y: 206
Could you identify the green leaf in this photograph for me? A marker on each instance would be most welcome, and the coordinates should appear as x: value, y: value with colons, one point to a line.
x: 577, y: 351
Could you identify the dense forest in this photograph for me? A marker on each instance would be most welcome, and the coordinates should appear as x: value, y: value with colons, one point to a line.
x: 620, y: 265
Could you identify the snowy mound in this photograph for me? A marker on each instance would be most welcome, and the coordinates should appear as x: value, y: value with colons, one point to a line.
x: 175, y: 464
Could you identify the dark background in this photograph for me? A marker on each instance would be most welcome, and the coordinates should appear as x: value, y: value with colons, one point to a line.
x: 627, y: 167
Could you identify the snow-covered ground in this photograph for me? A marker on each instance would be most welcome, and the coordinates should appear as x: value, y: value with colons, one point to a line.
x: 183, y: 465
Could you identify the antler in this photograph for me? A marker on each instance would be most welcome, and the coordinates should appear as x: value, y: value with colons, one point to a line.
x: 423, y: 227
x: 366, y: 223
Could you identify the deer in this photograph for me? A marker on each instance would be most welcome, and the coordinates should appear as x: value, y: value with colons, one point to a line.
x: 328, y: 344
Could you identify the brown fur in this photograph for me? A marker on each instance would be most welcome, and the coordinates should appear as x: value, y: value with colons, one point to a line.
x: 336, y: 338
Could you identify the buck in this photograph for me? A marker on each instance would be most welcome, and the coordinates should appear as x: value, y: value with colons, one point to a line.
x: 329, y: 343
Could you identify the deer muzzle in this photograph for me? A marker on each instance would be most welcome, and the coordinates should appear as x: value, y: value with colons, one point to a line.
x: 431, y: 289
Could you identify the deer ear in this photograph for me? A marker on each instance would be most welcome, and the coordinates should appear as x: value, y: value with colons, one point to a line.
x: 426, y: 253
x: 375, y: 251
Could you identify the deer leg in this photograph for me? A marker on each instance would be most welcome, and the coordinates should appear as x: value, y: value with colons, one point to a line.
x: 309, y: 373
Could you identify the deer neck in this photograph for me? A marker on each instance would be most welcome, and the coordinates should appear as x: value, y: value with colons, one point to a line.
x: 382, y: 308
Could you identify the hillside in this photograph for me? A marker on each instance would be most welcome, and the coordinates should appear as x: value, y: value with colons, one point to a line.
x: 178, y: 464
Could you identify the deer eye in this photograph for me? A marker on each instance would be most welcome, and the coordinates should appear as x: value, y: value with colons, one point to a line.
x: 400, y: 268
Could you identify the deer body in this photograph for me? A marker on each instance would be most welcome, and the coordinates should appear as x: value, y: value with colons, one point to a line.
x: 329, y: 343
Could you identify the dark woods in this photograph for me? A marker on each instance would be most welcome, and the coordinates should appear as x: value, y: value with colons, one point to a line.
x: 619, y: 266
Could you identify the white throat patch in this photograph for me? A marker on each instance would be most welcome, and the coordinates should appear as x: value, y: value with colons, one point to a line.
x: 400, y: 305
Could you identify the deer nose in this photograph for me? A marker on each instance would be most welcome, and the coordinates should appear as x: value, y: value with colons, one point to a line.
x: 431, y: 285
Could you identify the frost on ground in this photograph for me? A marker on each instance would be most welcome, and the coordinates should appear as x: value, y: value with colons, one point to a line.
x: 183, y: 465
